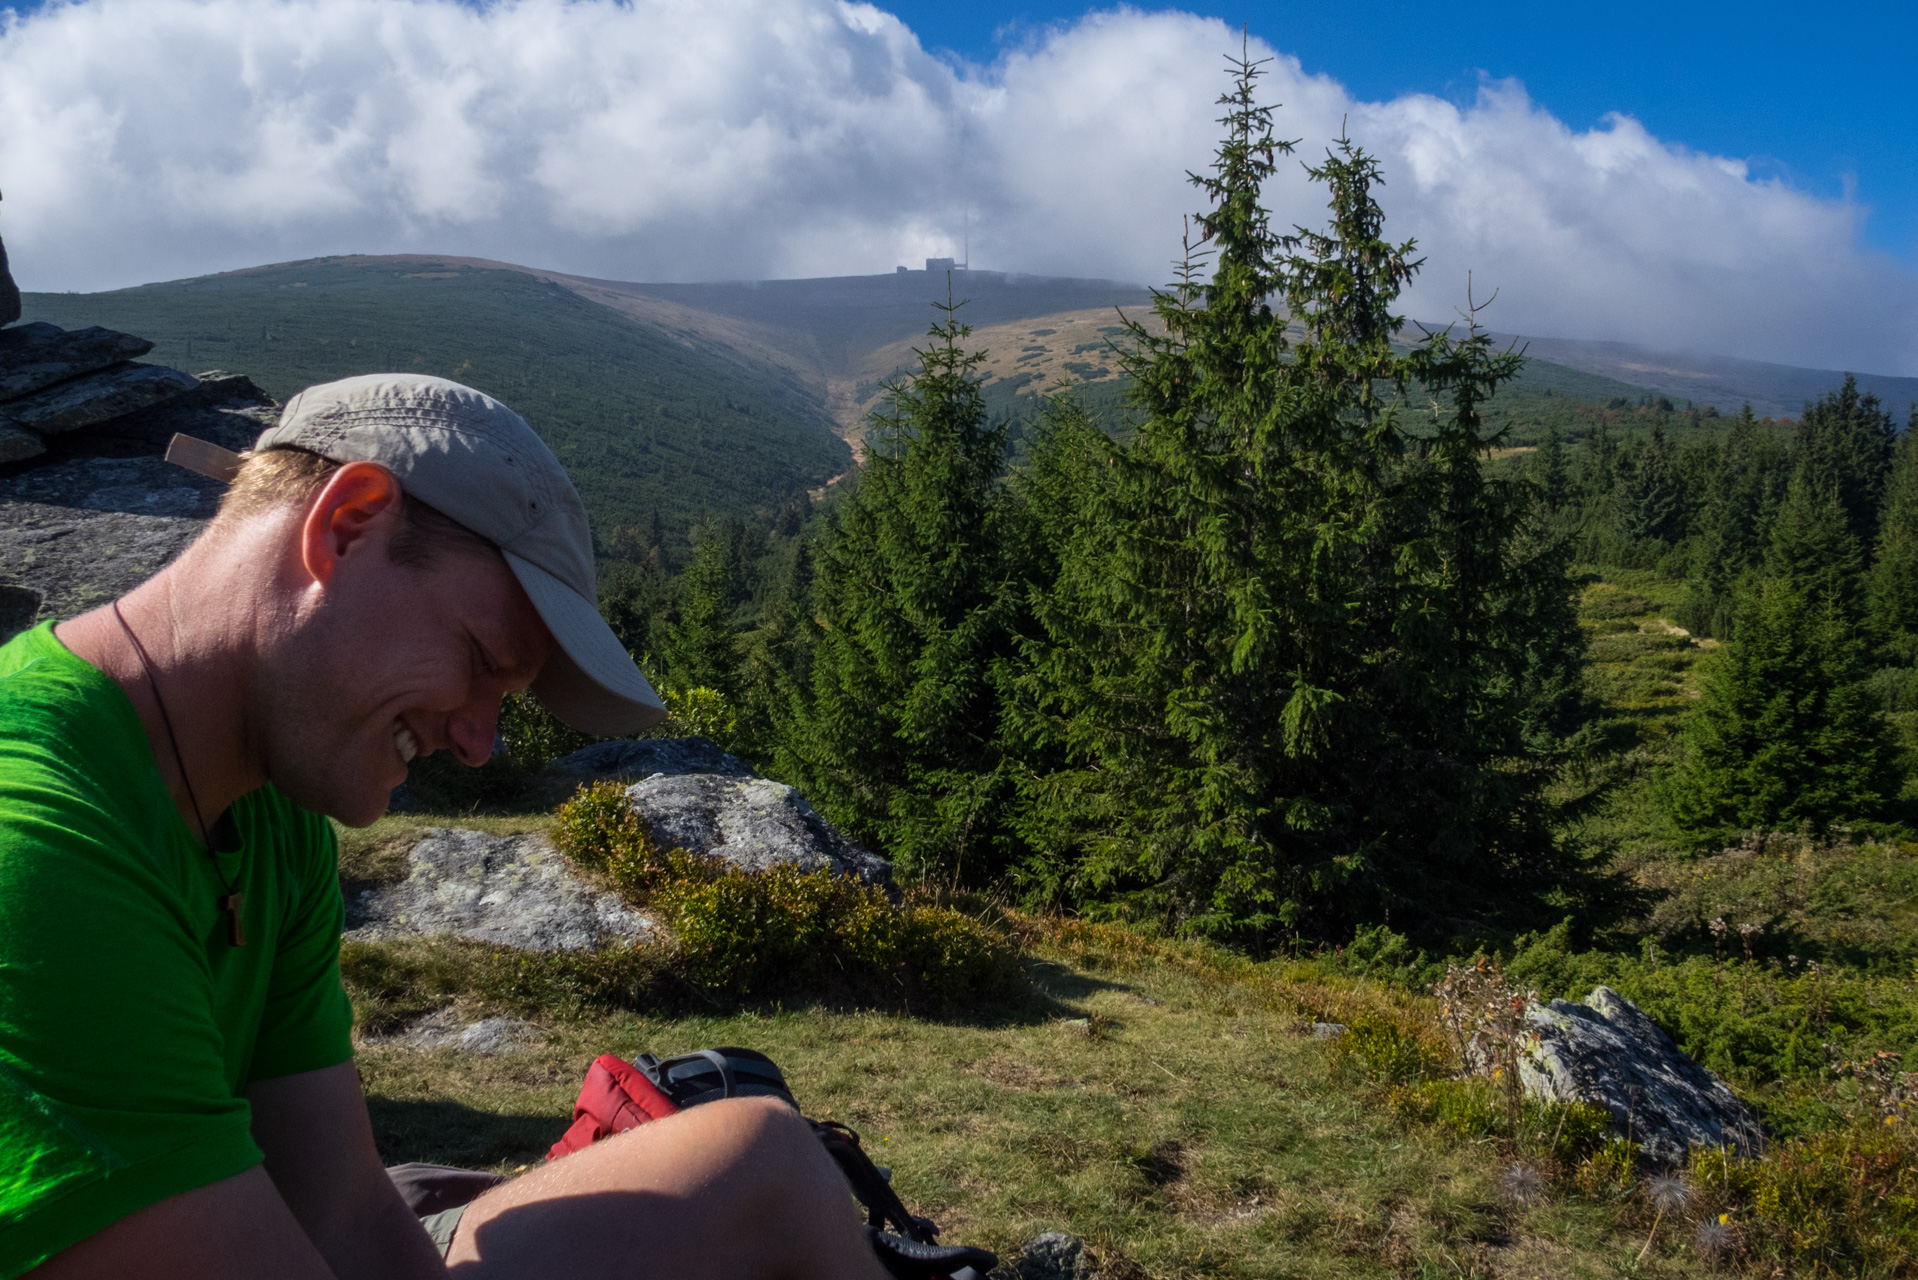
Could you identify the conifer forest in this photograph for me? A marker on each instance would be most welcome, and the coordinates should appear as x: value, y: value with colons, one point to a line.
x: 1305, y: 644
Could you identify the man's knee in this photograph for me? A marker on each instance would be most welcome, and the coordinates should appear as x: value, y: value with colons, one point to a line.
x: 762, y: 1123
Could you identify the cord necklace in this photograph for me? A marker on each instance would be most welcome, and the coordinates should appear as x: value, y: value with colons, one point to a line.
x: 232, y: 900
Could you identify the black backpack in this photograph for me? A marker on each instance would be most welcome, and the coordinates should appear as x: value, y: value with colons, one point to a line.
x: 908, y: 1246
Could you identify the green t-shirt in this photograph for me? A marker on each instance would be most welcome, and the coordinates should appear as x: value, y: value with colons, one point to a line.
x: 129, y: 1025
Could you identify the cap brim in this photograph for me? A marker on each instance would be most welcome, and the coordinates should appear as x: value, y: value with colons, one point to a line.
x: 590, y: 682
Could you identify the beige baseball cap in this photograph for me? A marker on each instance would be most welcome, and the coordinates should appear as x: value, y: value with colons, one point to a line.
x: 470, y: 457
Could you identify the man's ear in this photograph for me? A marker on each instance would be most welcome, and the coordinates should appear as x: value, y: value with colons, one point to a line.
x: 358, y: 506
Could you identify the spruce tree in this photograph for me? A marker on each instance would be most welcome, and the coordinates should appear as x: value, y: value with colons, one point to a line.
x: 776, y: 657
x: 1652, y: 506
x: 630, y: 597
x: 1551, y: 472
x: 1893, y: 586
x: 701, y: 645
x: 1812, y: 546
x: 1844, y: 444
x: 897, y: 734
x: 1787, y: 730
x: 1303, y: 665
x: 1742, y: 495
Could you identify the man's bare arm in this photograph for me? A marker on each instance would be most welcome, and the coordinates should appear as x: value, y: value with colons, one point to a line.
x: 234, y: 1229
x: 320, y: 1154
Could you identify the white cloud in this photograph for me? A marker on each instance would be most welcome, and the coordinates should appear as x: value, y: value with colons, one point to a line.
x: 668, y: 139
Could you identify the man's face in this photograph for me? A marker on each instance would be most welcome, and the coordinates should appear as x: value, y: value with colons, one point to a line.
x: 395, y: 662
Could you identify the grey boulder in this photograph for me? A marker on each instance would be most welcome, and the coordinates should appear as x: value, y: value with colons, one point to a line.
x: 96, y: 398
x: 752, y: 823
x: 1609, y: 1053
x: 39, y: 355
x: 631, y: 759
x: 514, y: 891
x: 1054, y: 1255
x: 17, y: 445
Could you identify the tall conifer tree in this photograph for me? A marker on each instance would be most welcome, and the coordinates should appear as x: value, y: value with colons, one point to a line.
x: 1812, y: 546
x: 1893, y: 587
x: 897, y: 734
x: 1302, y: 666
x: 1844, y: 443
x: 1786, y: 731
x: 701, y: 644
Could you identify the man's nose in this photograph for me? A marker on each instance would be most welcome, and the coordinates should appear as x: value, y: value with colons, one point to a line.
x: 471, y: 730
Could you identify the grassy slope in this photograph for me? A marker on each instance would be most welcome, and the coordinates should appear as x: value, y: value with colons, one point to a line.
x: 642, y: 420
x: 1172, y: 1106
x: 1190, y: 1125
x: 1029, y: 363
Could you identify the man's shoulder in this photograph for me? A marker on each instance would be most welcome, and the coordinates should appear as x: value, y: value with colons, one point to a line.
x: 62, y: 722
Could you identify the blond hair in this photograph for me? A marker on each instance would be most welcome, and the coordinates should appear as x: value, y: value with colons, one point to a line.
x: 285, y: 476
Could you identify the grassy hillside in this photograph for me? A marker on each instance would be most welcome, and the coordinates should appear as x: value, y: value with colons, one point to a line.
x: 1172, y: 1103
x: 643, y: 420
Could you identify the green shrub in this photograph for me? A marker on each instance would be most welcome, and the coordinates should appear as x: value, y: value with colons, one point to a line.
x: 393, y: 982
x: 1843, y: 1202
x: 1473, y: 1108
x: 1391, y: 1054
x: 601, y: 831
x: 784, y: 930
x: 1609, y: 604
x: 1608, y: 1172
x: 698, y: 712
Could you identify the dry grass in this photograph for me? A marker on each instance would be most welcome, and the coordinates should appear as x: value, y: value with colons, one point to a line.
x: 1168, y: 1105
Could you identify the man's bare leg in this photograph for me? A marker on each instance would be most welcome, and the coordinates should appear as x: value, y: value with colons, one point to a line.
x: 737, y: 1190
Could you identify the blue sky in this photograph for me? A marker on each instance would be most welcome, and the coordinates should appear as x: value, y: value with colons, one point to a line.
x: 1756, y: 194
x: 1824, y: 96
x: 1818, y: 94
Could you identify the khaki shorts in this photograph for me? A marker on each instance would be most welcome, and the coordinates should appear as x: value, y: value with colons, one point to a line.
x: 441, y: 1226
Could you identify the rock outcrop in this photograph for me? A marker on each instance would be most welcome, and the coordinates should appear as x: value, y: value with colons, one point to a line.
x: 513, y: 891
x: 752, y: 823
x: 634, y: 759
x: 88, y: 505
x: 9, y: 292
x: 1607, y: 1052
x: 444, y: 1029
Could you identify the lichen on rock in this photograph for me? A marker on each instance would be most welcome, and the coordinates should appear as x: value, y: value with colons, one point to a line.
x: 1608, y: 1052
x: 512, y: 891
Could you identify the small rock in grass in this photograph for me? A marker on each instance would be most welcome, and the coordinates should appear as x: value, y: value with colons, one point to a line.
x: 1328, y: 1030
x: 443, y: 1029
x: 1054, y: 1256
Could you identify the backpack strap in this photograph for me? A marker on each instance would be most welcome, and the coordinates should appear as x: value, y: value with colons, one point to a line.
x: 883, y: 1207
x: 712, y: 1074
x: 909, y: 1260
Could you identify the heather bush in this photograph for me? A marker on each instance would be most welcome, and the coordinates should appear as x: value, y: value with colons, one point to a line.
x: 786, y: 930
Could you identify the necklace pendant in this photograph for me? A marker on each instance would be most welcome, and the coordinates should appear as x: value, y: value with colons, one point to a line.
x: 232, y: 903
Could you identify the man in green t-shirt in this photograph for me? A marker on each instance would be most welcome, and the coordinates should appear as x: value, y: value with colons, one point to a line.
x: 177, y: 1092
